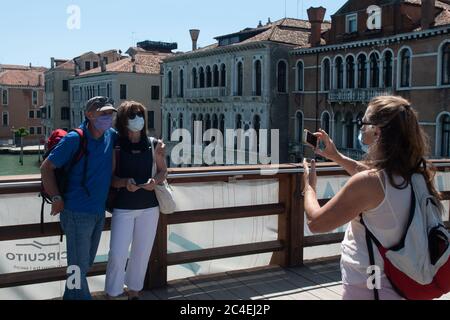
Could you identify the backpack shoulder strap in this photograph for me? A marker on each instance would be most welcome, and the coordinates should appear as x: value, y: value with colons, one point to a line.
x: 153, y: 144
x: 82, y: 152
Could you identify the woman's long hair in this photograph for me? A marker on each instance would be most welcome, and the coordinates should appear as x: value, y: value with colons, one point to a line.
x: 126, y: 109
x: 403, y: 145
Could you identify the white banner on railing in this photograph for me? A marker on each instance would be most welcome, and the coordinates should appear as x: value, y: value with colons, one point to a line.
x: 42, y: 253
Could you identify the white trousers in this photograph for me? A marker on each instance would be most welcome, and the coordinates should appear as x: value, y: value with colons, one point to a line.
x: 138, y: 228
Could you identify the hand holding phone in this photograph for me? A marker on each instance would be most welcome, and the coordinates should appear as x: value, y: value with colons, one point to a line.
x: 310, y: 139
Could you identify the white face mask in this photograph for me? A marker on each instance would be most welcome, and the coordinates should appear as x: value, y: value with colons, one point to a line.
x: 136, y: 125
x: 364, y: 147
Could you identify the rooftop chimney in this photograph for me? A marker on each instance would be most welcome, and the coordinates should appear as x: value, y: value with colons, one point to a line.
x: 260, y: 24
x: 194, y: 36
x: 102, y: 63
x: 52, y: 62
x: 268, y: 21
x: 77, y: 68
x: 428, y: 13
x: 40, y: 80
x: 316, y: 16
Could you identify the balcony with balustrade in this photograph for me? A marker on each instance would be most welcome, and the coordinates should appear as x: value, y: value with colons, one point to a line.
x: 357, y: 95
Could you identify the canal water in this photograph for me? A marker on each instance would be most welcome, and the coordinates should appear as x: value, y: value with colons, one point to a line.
x: 10, y: 166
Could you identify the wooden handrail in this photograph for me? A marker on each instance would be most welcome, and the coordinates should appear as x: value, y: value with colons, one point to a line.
x: 287, y: 249
x: 223, y: 252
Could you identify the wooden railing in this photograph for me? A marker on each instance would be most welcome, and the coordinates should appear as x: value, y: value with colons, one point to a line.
x: 287, y: 249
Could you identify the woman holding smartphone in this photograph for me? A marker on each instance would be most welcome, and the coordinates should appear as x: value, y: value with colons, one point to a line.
x: 380, y: 189
x: 136, y: 209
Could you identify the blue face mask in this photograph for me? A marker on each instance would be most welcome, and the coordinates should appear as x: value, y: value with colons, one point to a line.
x: 364, y: 147
x: 103, y: 123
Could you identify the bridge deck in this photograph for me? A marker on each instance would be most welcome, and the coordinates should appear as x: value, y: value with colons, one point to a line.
x: 319, y: 280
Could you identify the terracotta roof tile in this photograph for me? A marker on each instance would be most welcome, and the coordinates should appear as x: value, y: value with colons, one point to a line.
x: 29, y: 78
x: 69, y: 65
x: 145, y: 63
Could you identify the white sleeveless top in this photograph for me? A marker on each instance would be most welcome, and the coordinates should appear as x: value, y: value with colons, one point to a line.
x: 387, y: 222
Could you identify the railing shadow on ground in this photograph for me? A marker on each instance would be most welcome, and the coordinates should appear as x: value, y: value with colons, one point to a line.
x: 287, y: 249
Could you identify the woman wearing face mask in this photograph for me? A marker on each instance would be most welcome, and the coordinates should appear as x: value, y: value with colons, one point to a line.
x: 136, y: 210
x: 380, y: 189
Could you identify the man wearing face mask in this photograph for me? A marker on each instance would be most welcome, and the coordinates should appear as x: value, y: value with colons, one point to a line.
x: 82, y: 205
x: 136, y: 208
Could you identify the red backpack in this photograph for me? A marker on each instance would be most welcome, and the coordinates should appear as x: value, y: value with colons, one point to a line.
x: 62, y: 174
x: 419, y: 266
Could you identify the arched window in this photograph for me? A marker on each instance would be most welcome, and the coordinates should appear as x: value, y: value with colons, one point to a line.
x: 200, y: 118
x: 202, y: 77
x: 282, y: 77
x: 362, y: 71
x: 208, y: 77
x: 258, y: 78
x: 350, y: 63
x: 349, y: 131
x: 223, y: 75
x: 222, y: 124
x: 387, y: 69
x: 194, y: 119
x: 215, y: 122
x: 257, y: 127
x: 405, y: 68
x: 215, y: 76
x: 445, y: 67
x: 326, y: 122
x: 169, y: 84
x: 169, y: 126
x: 181, y: 83
x: 240, y: 79
x: 194, y: 78
x: 326, y: 75
x: 374, y: 71
x: 238, y: 121
x: 445, y: 136
x: 299, y: 127
x: 180, y: 121
x: 300, y: 76
x: 339, y: 67
x: 338, y: 132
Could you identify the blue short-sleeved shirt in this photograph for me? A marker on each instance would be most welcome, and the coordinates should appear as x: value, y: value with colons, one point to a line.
x: 99, y: 171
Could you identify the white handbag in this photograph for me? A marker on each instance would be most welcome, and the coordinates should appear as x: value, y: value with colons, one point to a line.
x: 163, y: 191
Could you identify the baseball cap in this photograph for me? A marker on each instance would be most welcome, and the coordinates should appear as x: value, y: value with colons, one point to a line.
x: 100, y: 104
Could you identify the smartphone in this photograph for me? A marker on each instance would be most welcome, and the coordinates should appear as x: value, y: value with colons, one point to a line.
x: 309, y: 138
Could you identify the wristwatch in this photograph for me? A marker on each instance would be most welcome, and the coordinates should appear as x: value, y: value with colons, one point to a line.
x: 57, y: 198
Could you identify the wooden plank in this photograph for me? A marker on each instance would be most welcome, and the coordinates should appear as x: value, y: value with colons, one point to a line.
x: 284, y: 284
x: 156, y: 276
x: 32, y: 231
x: 254, y: 283
x: 9, y: 280
x: 323, y: 239
x: 223, y: 252
x: 322, y: 289
x: 296, y: 222
x: 225, y: 213
x: 190, y: 291
x: 167, y: 293
x: 213, y: 286
x: 281, y: 258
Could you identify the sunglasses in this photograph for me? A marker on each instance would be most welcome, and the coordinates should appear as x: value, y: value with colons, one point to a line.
x: 133, y: 115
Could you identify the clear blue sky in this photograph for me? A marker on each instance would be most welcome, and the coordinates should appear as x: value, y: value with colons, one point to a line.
x: 34, y: 31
